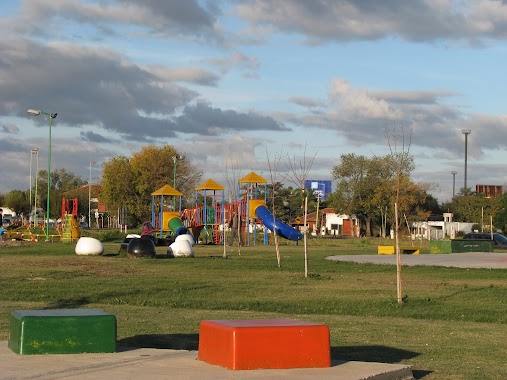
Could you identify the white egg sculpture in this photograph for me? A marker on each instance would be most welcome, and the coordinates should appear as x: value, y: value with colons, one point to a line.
x: 181, y: 248
x: 186, y: 237
x: 88, y: 246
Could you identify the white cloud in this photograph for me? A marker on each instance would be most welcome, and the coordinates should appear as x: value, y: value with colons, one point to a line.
x: 321, y: 21
x: 10, y: 129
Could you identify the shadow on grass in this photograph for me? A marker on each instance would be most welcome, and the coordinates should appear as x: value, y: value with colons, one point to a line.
x: 381, y: 354
x: 68, y: 303
x: 190, y: 342
x: 168, y: 341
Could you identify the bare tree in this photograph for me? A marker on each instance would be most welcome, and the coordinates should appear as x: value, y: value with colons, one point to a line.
x: 232, y: 174
x: 298, y: 169
x: 273, y: 170
x: 402, y: 162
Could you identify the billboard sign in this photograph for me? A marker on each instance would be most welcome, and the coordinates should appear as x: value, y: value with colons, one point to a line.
x: 320, y: 189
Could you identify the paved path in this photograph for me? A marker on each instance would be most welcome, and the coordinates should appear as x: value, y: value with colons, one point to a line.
x: 492, y: 260
x: 150, y: 363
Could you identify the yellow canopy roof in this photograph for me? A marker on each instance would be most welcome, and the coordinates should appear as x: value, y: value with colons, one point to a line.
x: 167, y: 190
x: 210, y: 185
x: 253, y: 178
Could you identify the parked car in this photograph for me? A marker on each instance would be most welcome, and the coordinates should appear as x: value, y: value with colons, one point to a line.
x: 499, y: 241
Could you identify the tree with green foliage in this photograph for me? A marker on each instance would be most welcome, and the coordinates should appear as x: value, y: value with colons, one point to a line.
x: 61, y: 181
x: 118, y: 186
x: 472, y: 207
x: 360, y: 180
x: 367, y: 188
x: 17, y: 201
x: 129, y: 182
x: 500, y: 215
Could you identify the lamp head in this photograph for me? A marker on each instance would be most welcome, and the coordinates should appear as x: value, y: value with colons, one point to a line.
x: 34, y: 112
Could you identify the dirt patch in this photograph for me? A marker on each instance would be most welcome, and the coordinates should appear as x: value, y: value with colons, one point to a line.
x: 15, y: 243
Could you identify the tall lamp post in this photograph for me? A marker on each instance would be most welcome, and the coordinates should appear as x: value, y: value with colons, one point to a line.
x: 90, y: 196
x: 175, y: 158
x: 466, y: 132
x: 36, y: 152
x: 31, y: 183
x: 51, y: 117
x: 453, y: 182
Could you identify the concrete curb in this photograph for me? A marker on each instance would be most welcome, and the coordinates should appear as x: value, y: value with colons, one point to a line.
x: 150, y: 363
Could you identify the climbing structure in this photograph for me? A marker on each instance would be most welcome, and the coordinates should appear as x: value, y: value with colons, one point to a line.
x: 252, y: 194
x: 165, y: 211
x: 208, y: 217
x: 212, y: 218
x: 70, y: 224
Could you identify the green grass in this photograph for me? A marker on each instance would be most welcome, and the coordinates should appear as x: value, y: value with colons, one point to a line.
x: 452, y: 326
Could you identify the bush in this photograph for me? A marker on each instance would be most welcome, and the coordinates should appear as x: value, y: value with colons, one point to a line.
x: 104, y: 235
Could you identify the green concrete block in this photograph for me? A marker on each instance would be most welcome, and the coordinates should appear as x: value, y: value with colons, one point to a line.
x: 62, y: 331
x: 460, y: 246
x: 440, y: 246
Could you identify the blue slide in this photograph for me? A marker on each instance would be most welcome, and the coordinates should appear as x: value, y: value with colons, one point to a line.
x: 281, y: 228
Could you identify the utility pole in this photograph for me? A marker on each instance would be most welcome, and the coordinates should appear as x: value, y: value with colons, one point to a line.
x: 453, y: 182
x: 466, y: 132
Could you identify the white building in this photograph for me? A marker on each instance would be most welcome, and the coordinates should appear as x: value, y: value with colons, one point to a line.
x: 340, y: 225
x: 439, y: 230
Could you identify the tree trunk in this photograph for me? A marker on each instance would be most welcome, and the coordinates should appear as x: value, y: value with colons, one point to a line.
x: 398, y: 256
x: 304, y: 236
x: 368, y: 226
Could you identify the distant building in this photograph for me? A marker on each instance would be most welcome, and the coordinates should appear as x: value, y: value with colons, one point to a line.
x: 439, y: 228
x: 7, y: 212
x: 333, y: 224
x: 489, y: 190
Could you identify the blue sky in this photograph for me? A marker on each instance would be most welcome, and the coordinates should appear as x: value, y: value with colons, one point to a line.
x: 232, y: 83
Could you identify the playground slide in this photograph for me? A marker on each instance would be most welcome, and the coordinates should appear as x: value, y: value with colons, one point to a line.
x: 177, y: 226
x: 275, y: 225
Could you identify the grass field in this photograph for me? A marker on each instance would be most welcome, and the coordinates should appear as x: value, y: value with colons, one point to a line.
x: 452, y: 325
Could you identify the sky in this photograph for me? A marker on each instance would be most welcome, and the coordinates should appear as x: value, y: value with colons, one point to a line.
x: 249, y: 83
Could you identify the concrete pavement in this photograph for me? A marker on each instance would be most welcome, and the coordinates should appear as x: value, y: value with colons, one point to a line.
x: 491, y: 260
x: 150, y: 363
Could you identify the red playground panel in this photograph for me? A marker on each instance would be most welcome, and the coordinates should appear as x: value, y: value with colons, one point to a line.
x: 264, y: 343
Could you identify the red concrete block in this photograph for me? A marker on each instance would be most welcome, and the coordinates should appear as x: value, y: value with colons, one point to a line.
x: 264, y: 343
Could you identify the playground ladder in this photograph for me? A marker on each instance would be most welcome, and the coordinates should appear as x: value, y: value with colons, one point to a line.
x: 216, y: 235
x: 66, y: 235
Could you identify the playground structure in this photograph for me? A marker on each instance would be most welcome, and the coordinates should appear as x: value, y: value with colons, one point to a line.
x: 70, y: 229
x: 164, y: 217
x: 215, y: 221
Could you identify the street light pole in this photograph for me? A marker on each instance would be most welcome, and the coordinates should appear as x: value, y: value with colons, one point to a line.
x: 466, y: 132
x: 453, y: 182
x: 174, y: 171
x: 48, y: 205
x: 36, y: 151
x: 174, y: 180
x: 30, y: 199
x: 90, y: 196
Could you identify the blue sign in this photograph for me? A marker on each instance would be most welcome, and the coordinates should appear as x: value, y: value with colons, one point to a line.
x: 320, y: 189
